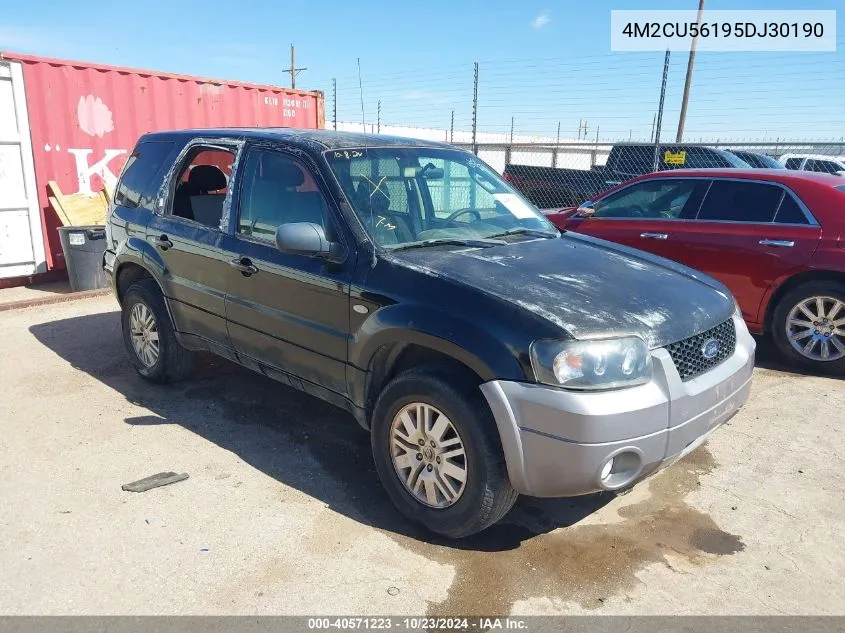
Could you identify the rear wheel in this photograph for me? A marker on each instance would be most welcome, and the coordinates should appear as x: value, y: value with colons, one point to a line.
x: 808, y: 326
x: 149, y: 337
x: 437, y: 453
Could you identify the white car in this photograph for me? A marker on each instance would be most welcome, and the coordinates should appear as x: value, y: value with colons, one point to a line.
x: 814, y: 162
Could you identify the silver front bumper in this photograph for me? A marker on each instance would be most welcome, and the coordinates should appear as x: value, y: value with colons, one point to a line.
x: 556, y: 442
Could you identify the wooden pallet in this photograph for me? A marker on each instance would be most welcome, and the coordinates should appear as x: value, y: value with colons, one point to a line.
x: 78, y: 209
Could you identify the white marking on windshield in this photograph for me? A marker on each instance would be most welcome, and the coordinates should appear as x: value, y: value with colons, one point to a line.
x: 377, y: 186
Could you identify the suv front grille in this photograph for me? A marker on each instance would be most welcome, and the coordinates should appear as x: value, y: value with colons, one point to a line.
x: 689, y: 355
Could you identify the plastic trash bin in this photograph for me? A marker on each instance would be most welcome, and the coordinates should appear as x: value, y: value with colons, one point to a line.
x: 84, y: 247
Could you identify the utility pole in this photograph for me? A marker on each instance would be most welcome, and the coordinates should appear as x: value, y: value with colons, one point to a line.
x: 475, y: 109
x: 334, y: 103
x: 378, y: 118
x: 293, y: 69
x: 509, y: 147
x: 685, y: 101
x: 653, y: 123
x: 557, y: 146
x: 660, y: 112
x: 452, y: 128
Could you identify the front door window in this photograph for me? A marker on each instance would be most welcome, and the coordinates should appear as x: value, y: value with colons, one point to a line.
x: 659, y: 199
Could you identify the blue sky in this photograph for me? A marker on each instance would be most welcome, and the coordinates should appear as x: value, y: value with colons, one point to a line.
x: 541, y: 61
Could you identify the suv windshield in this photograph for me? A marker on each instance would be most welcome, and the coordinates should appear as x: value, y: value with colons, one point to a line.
x: 408, y: 196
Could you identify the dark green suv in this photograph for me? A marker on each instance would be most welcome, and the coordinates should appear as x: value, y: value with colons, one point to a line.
x: 405, y: 282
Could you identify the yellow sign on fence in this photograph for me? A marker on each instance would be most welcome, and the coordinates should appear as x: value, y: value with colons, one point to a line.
x: 675, y: 158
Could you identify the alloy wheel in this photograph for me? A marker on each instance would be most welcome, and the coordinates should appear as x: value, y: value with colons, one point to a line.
x: 144, y: 334
x: 428, y: 455
x: 815, y: 328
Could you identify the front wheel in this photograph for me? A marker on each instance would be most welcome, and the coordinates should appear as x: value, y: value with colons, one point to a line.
x: 808, y: 326
x: 437, y: 453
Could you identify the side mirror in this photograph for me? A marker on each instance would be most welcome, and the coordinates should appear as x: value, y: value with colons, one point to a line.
x: 585, y: 209
x: 308, y: 239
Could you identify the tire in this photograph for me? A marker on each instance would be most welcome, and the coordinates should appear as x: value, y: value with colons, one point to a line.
x: 829, y: 292
x: 172, y: 362
x: 486, y: 495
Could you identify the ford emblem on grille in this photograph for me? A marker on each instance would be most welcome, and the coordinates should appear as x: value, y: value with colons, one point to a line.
x: 710, y: 348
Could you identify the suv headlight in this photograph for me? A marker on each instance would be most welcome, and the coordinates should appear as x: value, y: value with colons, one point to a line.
x: 596, y: 364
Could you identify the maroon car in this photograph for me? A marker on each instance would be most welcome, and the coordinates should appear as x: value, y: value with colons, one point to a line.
x: 775, y: 238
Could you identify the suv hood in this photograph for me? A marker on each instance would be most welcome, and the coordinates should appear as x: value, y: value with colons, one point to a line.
x: 587, y: 287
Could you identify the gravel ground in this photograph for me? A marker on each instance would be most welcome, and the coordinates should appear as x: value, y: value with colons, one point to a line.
x: 283, y: 514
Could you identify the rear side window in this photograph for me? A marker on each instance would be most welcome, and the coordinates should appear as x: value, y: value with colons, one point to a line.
x: 632, y: 159
x: 140, y: 178
x: 793, y: 163
x: 738, y: 201
x: 823, y: 166
x: 789, y: 212
x: 202, y: 185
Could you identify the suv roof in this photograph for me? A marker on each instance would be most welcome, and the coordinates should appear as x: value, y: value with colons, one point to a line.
x: 637, y: 157
x: 327, y: 139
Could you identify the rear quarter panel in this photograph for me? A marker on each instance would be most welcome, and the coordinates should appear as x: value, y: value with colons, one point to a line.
x: 827, y: 204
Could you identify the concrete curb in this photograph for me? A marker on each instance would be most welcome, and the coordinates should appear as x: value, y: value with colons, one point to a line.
x: 61, y: 298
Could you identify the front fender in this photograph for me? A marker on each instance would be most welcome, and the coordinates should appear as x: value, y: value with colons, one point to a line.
x: 417, y: 324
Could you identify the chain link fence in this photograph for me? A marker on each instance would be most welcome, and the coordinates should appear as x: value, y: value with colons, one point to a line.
x: 554, y: 175
x: 564, y: 129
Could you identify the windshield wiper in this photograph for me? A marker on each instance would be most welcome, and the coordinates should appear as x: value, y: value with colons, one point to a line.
x: 524, y: 231
x: 448, y: 241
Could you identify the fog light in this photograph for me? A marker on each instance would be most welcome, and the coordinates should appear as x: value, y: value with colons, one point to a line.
x: 605, y: 471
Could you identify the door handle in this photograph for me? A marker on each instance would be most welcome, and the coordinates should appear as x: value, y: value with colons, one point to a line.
x: 163, y: 243
x: 780, y: 243
x: 655, y: 236
x: 244, y: 265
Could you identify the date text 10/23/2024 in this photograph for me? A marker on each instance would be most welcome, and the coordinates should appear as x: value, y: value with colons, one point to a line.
x: 417, y: 624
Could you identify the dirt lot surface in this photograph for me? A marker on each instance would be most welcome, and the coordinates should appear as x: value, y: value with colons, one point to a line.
x: 283, y: 513
x: 34, y: 292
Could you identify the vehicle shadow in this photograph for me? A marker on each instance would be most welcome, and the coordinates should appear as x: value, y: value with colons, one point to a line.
x: 295, y: 438
x: 767, y: 356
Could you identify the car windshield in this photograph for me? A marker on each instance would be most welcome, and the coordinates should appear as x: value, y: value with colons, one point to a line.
x: 419, y: 196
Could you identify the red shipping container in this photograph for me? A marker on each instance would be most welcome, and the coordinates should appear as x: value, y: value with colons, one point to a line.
x: 84, y: 119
